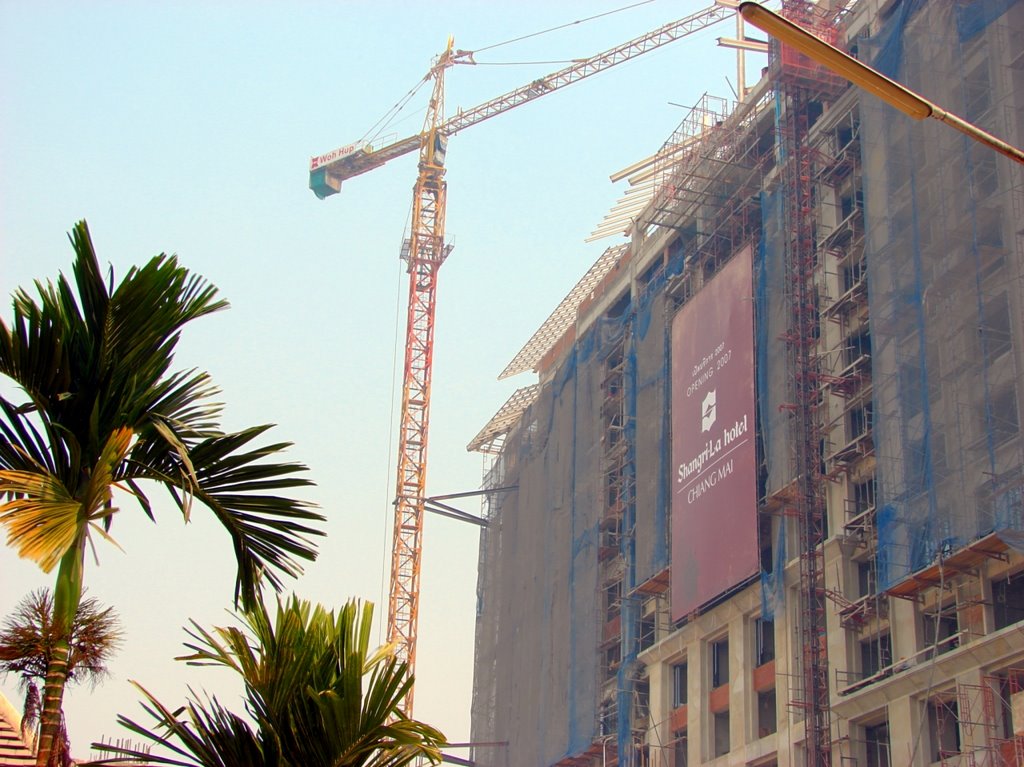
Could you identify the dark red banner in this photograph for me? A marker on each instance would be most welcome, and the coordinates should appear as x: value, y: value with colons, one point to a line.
x: 714, y: 456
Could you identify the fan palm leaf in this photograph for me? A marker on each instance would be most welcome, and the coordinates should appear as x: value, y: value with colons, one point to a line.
x: 27, y: 637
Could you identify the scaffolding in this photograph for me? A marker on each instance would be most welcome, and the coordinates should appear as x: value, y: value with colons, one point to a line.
x: 618, y: 530
x: 845, y: 381
x: 707, y: 178
x: 803, y: 89
x: 975, y: 725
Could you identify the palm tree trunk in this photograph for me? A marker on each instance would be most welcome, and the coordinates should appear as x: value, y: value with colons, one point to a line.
x: 66, y: 596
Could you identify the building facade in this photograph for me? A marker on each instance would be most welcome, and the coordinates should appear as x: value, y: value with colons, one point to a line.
x: 765, y: 503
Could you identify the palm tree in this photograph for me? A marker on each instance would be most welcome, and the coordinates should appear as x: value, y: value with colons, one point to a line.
x: 26, y: 648
x: 103, y: 411
x: 317, y: 695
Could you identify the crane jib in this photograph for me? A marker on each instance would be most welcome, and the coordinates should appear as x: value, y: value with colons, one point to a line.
x: 325, y: 177
x: 326, y: 173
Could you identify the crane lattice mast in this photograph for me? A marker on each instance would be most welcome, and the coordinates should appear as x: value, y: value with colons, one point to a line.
x: 425, y: 252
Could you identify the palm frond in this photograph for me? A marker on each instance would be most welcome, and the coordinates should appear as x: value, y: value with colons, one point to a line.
x: 35, y: 350
x: 43, y: 519
x: 22, y: 447
x: 320, y: 697
x: 94, y: 358
x: 96, y: 493
x: 270, y: 532
x: 41, y: 516
x: 101, y: 361
x: 203, y: 734
x: 147, y: 311
x: 184, y: 400
x: 92, y: 293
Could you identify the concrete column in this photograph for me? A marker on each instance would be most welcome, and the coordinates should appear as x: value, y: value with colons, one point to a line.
x: 698, y: 729
x: 659, y: 733
x: 908, y: 733
x: 740, y: 662
x: 906, y: 630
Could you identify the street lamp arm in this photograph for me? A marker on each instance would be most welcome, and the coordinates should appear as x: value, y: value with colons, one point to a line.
x: 976, y: 133
x: 867, y: 78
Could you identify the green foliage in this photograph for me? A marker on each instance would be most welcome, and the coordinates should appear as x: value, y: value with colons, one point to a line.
x: 316, y: 695
x: 103, y: 410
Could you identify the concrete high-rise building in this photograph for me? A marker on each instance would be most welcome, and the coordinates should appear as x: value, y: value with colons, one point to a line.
x: 764, y: 504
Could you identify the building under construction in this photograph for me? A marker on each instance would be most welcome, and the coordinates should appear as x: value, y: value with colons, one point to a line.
x: 763, y: 504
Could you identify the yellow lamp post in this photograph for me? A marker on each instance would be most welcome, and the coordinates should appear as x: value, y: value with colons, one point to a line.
x: 865, y: 77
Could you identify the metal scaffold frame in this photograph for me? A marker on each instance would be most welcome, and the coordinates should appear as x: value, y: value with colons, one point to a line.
x: 802, y: 86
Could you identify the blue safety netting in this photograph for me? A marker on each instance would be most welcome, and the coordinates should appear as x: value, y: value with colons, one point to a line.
x: 542, y: 547
x: 974, y: 18
x: 771, y: 321
x: 541, y: 551
x: 770, y: 325
x: 943, y: 266
x: 557, y: 455
x: 773, y: 581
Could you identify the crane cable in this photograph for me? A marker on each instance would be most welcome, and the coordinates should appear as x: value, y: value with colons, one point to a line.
x: 563, y: 26
x: 388, y: 119
x: 523, y: 63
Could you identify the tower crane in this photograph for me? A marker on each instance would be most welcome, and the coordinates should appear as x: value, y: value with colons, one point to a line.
x: 424, y: 252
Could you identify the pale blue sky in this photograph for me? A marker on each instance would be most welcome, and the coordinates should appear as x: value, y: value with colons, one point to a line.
x: 187, y: 127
